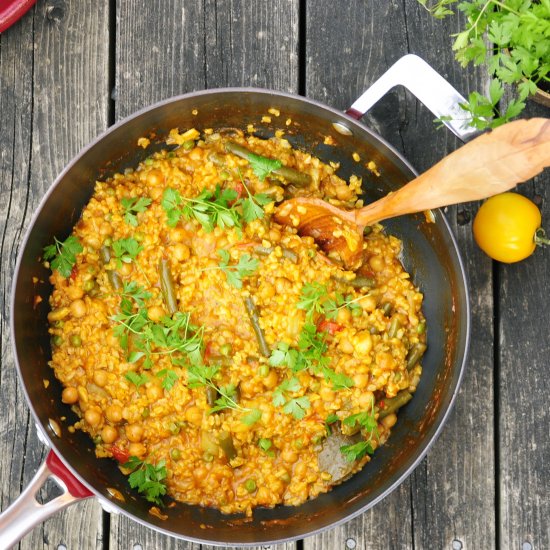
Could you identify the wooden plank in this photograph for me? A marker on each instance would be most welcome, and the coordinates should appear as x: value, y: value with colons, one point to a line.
x: 370, y: 38
x: 346, y: 50
x: 53, y: 78
x: 454, y: 490
x: 190, y: 46
x: 524, y: 386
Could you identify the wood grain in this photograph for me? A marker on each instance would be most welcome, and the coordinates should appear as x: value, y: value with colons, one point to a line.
x: 54, y: 101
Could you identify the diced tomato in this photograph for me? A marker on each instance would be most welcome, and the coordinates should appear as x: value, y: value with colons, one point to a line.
x: 74, y: 271
x: 122, y: 455
x: 208, y: 351
x: 239, y: 187
x: 329, y: 326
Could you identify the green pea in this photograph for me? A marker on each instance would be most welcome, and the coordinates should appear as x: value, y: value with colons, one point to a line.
x: 367, y: 230
x: 226, y: 349
x: 188, y: 145
x: 148, y: 161
x: 175, y: 454
x: 173, y: 428
x: 285, y: 477
x: 263, y: 371
x: 298, y: 444
x: 57, y: 340
x: 145, y: 413
x: 250, y: 485
x: 108, y: 241
x: 88, y: 285
x: 75, y: 340
x: 224, y: 175
x: 357, y: 312
x: 207, y: 457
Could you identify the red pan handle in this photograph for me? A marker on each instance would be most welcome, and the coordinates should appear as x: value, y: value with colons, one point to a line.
x: 12, y: 10
x: 26, y: 512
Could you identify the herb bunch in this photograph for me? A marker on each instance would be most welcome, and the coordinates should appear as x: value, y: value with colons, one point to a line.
x: 519, y: 53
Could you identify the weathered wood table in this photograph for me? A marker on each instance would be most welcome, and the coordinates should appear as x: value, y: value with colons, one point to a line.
x: 71, y: 68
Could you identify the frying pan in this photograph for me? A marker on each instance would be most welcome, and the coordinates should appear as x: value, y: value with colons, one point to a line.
x: 430, y: 254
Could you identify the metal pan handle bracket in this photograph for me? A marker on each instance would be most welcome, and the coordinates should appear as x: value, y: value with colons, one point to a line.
x: 427, y: 85
x: 26, y: 512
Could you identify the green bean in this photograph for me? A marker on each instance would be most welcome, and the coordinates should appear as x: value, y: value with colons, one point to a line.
x: 289, y: 174
x: 113, y: 276
x: 360, y: 281
x: 287, y: 253
x: 392, y: 404
x: 167, y: 287
x: 212, y: 395
x: 415, y: 354
x: 227, y: 445
x: 367, y: 230
x: 395, y: 325
x: 255, y: 320
x: 386, y: 308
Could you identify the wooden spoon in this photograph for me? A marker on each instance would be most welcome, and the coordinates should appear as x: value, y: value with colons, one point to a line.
x: 490, y: 164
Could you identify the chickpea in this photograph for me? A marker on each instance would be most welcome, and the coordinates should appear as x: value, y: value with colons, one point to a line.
x: 271, y: 380
x: 154, y: 393
x: 365, y: 400
x: 137, y: 449
x: 69, y: 395
x: 109, y: 434
x: 105, y: 229
x: 326, y: 394
x: 134, y: 432
x: 376, y: 263
x: 180, y: 252
x: 346, y: 346
x: 93, y: 417
x: 177, y: 235
x: 368, y: 303
x: 194, y: 415
x: 360, y: 380
x: 274, y: 234
x: 78, y: 308
x: 100, y: 378
x: 343, y: 316
x: 114, y: 413
x: 363, y: 342
x: 155, y: 178
x: 155, y: 313
x: 389, y: 421
x: 126, y: 269
x: 289, y: 455
x: 282, y: 284
x: 74, y: 292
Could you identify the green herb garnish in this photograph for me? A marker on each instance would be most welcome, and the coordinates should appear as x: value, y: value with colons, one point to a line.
x: 126, y: 250
x: 357, y: 450
x: 132, y: 207
x: 63, y: 254
x: 263, y: 166
x: 266, y: 446
x: 296, y: 406
x: 169, y: 378
x: 147, y: 478
x: 136, y: 379
x: 246, y: 266
x: 210, y: 209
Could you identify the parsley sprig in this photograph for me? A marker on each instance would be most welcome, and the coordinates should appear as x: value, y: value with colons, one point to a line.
x: 519, y: 37
x: 133, y: 206
x: 296, y: 406
x: 245, y: 267
x: 222, y: 207
x: 369, y: 427
x: 200, y: 375
x: 63, y: 254
x: 173, y: 336
x: 147, y: 478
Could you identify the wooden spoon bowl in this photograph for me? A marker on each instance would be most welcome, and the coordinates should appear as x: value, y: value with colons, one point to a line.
x: 490, y: 164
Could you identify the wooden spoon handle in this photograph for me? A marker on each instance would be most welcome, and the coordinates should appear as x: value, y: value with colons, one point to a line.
x: 490, y: 164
